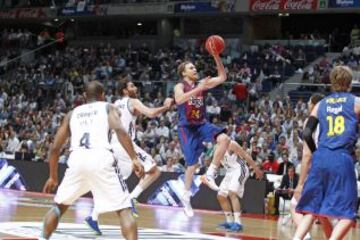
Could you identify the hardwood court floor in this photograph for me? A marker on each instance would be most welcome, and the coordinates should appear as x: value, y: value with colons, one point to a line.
x: 154, y: 222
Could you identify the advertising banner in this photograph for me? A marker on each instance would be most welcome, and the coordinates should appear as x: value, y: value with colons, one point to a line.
x: 165, y: 191
x: 10, y: 177
x: 84, y: 10
x: 282, y: 5
x: 207, y: 6
x: 24, y: 13
x: 344, y: 3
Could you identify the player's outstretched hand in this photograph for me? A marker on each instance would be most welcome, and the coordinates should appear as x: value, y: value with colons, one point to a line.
x: 138, y: 168
x: 259, y: 174
x: 212, y: 51
x: 297, y: 192
x: 50, y: 185
x: 168, y: 102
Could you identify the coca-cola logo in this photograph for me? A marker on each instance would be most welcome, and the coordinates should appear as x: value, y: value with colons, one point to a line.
x: 8, y: 14
x: 276, y: 5
x: 298, y: 5
x: 30, y: 13
x: 267, y: 5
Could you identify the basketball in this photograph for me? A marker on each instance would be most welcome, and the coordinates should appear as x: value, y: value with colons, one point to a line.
x: 215, y: 44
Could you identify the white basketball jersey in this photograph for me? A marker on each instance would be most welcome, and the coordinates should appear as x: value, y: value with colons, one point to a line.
x: 127, y: 117
x: 232, y: 162
x: 89, y: 126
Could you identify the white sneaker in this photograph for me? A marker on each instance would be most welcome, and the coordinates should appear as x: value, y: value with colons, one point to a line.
x: 187, y: 206
x: 210, y: 182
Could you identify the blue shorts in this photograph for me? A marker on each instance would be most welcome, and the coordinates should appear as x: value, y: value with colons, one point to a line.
x: 330, y: 188
x: 192, y: 138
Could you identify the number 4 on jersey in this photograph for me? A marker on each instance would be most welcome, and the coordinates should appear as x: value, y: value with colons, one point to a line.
x: 85, y: 140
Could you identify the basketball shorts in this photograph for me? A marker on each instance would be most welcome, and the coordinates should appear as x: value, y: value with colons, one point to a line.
x: 234, y: 181
x: 192, y: 138
x: 330, y: 188
x: 125, y: 163
x: 94, y: 170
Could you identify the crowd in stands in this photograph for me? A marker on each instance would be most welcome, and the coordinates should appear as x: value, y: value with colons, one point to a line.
x: 35, y: 97
x: 320, y: 72
x: 16, y: 38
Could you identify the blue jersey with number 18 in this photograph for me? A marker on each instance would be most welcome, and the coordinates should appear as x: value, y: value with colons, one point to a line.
x: 338, y: 122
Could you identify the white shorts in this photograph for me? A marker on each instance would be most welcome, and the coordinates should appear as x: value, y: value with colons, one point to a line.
x: 125, y: 163
x: 234, y: 181
x: 94, y: 170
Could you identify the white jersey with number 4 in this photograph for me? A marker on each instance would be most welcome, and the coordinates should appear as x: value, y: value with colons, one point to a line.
x: 91, y: 162
x: 127, y: 117
x: 89, y: 126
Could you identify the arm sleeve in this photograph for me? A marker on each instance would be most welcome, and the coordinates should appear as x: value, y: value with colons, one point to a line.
x: 308, y: 132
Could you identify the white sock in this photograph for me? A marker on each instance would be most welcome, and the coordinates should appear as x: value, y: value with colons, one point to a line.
x: 187, y: 195
x: 229, y: 217
x: 136, y: 192
x: 94, y: 215
x: 211, y: 170
x: 237, y: 217
x: 307, y: 236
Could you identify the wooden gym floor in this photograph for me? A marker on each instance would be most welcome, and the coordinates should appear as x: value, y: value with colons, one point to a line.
x: 21, y: 215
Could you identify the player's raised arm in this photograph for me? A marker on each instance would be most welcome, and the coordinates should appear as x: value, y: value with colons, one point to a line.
x: 124, y: 139
x: 220, y: 78
x: 61, y: 136
x: 238, y: 150
x: 151, y: 112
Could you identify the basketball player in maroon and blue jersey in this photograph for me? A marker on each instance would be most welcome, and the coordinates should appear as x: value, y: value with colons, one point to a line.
x: 194, y: 129
x: 330, y: 189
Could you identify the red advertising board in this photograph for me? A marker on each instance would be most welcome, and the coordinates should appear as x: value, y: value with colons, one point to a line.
x: 282, y: 5
x: 23, y: 13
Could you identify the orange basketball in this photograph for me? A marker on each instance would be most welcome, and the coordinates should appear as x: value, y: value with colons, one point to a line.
x: 215, y: 44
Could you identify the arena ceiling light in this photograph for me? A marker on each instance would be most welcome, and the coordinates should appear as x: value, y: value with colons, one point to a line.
x: 139, y: 24
x: 283, y: 14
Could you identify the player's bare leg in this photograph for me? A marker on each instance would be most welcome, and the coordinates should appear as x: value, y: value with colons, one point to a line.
x: 341, y: 229
x: 297, y: 218
x: 235, y: 202
x: 52, y: 218
x: 327, y: 226
x: 185, y: 199
x: 304, y: 226
x: 222, y: 144
x: 226, y: 207
x: 145, y: 182
x: 128, y: 224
